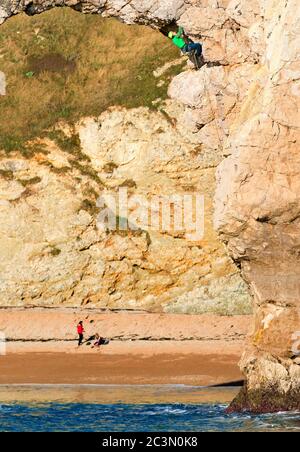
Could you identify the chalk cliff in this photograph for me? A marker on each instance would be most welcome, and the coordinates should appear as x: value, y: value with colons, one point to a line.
x: 52, y: 251
x: 244, y: 106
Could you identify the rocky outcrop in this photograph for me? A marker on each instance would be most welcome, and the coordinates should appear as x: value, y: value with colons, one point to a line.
x: 257, y: 212
x: 154, y: 13
x: 251, y: 106
x: 244, y: 105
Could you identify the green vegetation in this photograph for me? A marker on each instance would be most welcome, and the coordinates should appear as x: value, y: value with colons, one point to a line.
x: 12, y: 143
x: 55, y: 251
x: 110, y: 167
x: 29, y: 182
x: 6, y: 174
x: 62, y: 65
x: 129, y: 183
x: 71, y: 145
x: 91, y: 193
x: 90, y: 207
x: 88, y: 171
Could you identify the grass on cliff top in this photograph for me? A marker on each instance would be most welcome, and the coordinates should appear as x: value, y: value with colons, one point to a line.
x: 62, y: 65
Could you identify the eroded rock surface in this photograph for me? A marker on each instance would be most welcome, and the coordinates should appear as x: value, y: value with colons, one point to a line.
x: 155, y: 13
x: 257, y: 211
x: 243, y: 105
x: 52, y: 252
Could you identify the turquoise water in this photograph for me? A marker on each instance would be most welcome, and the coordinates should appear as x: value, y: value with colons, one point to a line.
x: 67, y: 414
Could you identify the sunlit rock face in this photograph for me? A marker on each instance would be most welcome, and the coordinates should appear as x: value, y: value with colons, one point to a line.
x: 54, y: 252
x: 251, y: 105
x: 258, y: 210
x: 243, y: 106
x: 155, y: 13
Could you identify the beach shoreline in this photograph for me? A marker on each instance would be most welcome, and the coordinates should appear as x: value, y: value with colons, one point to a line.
x: 115, y: 394
x: 154, y: 349
x: 192, y: 363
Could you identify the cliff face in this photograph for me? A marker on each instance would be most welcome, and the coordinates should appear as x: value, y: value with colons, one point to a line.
x: 244, y: 104
x: 256, y: 103
x: 52, y: 252
x: 258, y: 206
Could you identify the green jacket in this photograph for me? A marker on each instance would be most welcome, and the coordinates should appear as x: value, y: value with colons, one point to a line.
x: 178, y: 39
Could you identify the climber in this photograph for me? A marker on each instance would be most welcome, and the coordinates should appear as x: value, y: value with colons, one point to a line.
x: 187, y: 46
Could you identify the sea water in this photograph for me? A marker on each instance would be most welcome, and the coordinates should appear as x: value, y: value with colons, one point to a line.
x: 101, y: 409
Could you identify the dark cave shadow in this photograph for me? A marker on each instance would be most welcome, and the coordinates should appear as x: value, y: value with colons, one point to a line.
x: 211, y: 64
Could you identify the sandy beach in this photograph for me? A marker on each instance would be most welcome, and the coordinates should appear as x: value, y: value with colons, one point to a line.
x: 144, y: 349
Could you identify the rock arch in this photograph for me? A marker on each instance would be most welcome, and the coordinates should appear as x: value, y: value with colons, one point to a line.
x: 147, y: 12
x: 251, y: 100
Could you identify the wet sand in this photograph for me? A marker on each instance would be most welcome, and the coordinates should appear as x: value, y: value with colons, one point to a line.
x: 145, y: 363
x: 31, y: 394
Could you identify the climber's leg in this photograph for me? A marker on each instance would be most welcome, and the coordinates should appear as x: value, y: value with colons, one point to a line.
x: 201, y: 61
x: 195, y: 53
x: 195, y: 46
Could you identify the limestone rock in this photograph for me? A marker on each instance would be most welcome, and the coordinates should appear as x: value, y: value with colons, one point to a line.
x: 142, y: 11
x: 52, y: 253
x: 228, y: 298
x: 258, y: 207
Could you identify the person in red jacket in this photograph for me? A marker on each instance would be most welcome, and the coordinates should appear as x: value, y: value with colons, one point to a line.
x: 80, y: 331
